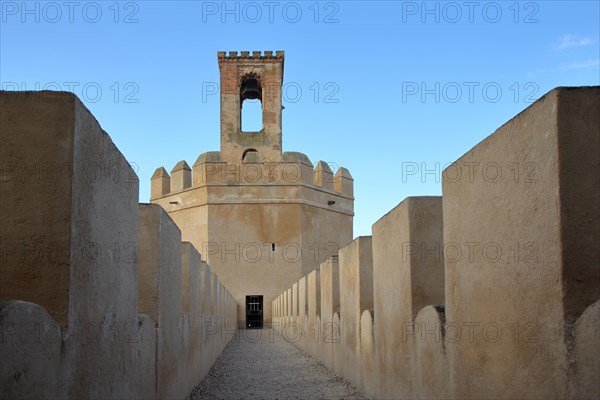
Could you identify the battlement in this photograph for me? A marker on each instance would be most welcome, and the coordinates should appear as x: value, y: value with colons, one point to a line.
x: 495, y: 281
x: 263, y: 73
x: 421, y: 309
x: 147, y: 295
x: 211, y: 169
x: 244, y: 55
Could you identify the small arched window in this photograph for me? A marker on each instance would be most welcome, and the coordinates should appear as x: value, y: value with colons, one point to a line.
x: 250, y: 155
x: 252, y: 115
x: 251, y: 105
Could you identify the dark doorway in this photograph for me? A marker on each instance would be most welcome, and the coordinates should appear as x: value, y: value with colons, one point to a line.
x: 254, y: 312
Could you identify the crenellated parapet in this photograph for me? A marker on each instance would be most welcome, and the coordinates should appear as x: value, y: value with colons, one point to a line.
x: 160, y: 183
x: 107, y: 302
x: 251, y: 191
x: 343, y: 182
x: 257, y: 77
x: 181, y: 176
x: 244, y: 55
x: 323, y: 176
x: 212, y: 169
x: 495, y: 281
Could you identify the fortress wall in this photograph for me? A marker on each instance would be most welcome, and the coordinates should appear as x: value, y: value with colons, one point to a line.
x: 145, y: 364
x: 60, y: 174
x: 314, y: 310
x: 276, y: 312
x: 356, y: 296
x: 408, y: 273
x: 368, y: 375
x: 181, y: 177
x: 203, y: 288
x: 302, y: 319
x: 287, y: 305
x: 160, y: 294
x: 514, y: 315
x: 323, y: 176
x: 491, y: 291
x: 584, y: 359
x: 235, y: 212
x: 210, y: 168
x: 428, y: 350
x: 332, y: 339
x: 254, y: 247
x: 31, y: 352
x: 81, y: 267
x: 330, y: 304
x: 302, y: 291
x: 295, y: 305
x: 534, y: 265
x: 190, y: 278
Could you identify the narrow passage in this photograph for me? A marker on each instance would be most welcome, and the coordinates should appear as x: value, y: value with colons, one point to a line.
x: 260, y: 364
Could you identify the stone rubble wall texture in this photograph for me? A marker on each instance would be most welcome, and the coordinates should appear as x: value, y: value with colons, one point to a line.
x: 490, y: 291
x: 99, y: 298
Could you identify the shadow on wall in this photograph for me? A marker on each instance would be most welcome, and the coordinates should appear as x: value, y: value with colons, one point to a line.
x: 100, y: 298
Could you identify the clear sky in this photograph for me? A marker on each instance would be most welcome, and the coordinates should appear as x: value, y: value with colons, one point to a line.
x: 393, y: 91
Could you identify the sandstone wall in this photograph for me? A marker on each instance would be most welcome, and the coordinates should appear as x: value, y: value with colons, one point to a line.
x: 253, y: 219
x: 490, y: 291
x: 533, y: 269
x: 98, y: 299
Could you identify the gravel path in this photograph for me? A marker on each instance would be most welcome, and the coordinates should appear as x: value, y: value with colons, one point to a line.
x: 260, y: 364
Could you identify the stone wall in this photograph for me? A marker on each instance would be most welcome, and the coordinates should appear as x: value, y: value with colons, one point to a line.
x: 490, y: 291
x: 257, y: 219
x: 99, y: 298
x: 261, y: 217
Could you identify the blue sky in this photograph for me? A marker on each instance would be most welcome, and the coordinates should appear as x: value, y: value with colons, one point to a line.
x: 389, y: 90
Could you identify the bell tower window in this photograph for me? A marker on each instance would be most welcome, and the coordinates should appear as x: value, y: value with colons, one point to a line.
x: 251, y: 105
x: 252, y: 116
x: 250, y: 88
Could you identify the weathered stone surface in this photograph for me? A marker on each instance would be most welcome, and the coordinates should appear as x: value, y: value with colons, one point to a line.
x: 330, y: 304
x: 181, y: 177
x: 145, y: 346
x: 68, y: 225
x: 255, y: 213
x: 190, y: 291
x: 356, y: 296
x: 69, y: 232
x: 501, y: 299
x: 314, y: 310
x: 269, y: 72
x: 430, y: 365
x: 520, y: 249
x: 585, y: 362
x: 408, y: 274
x: 160, y: 293
x: 160, y: 183
x: 368, y: 378
x: 31, y: 353
x: 323, y: 176
x: 295, y: 305
x: 529, y: 212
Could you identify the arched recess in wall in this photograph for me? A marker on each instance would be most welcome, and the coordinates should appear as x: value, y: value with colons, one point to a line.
x: 248, y: 154
x: 252, y: 116
x: 251, y: 105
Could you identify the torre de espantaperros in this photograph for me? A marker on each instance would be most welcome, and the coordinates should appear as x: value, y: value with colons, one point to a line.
x: 261, y: 218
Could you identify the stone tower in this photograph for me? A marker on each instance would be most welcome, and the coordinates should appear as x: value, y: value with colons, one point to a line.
x: 268, y: 73
x: 262, y: 218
